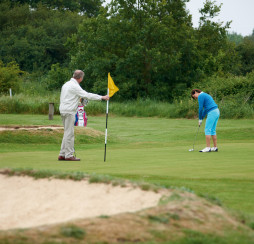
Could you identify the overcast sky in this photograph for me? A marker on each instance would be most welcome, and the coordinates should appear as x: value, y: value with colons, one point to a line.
x: 241, y: 12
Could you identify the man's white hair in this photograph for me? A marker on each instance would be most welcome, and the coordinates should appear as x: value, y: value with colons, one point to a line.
x: 78, y: 74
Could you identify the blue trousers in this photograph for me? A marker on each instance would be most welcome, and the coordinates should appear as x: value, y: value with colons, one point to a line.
x: 211, y: 122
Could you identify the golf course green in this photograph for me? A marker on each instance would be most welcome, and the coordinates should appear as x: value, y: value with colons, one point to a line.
x: 153, y: 150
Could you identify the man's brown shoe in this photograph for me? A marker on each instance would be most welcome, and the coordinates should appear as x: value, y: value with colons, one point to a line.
x: 60, y: 158
x: 72, y: 159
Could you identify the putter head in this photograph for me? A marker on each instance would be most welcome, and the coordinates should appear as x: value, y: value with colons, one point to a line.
x: 191, y: 150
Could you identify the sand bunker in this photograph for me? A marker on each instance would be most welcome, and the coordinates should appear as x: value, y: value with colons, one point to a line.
x: 26, y: 202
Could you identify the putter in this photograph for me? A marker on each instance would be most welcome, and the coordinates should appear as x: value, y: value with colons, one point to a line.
x: 191, y: 150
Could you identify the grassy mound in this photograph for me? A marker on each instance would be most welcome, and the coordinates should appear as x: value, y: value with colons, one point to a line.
x: 46, y: 135
x: 181, y: 217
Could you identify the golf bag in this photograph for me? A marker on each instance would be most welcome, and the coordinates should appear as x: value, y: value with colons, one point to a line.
x: 81, y: 118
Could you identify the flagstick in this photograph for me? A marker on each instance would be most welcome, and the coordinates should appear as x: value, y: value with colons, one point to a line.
x: 106, y: 131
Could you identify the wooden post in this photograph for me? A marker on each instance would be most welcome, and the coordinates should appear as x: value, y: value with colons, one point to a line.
x: 51, y: 111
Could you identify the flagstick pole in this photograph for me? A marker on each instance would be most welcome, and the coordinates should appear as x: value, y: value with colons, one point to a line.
x: 106, y: 131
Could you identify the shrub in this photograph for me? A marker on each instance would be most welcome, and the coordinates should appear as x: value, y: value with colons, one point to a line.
x: 10, y: 77
x: 233, y: 94
x: 225, y: 87
x: 57, y: 76
x: 73, y: 231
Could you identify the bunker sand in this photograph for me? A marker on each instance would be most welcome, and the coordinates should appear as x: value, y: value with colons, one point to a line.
x: 26, y: 202
x: 51, y: 209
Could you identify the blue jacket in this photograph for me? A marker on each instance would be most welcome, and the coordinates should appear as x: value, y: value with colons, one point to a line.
x: 206, y: 104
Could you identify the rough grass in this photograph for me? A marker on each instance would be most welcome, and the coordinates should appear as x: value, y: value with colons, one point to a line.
x: 78, y: 176
x: 181, y: 108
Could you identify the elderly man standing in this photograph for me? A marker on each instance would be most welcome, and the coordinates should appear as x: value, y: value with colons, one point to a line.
x: 70, y: 95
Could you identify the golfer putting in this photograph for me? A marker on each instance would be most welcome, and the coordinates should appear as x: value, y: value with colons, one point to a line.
x: 208, y: 107
x: 70, y: 96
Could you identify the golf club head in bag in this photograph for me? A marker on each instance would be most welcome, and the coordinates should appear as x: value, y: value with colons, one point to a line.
x: 84, y: 101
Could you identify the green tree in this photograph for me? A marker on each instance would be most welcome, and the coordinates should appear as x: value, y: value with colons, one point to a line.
x: 217, y: 54
x: 35, y: 38
x: 246, y: 51
x: 235, y: 38
x: 10, y: 77
x: 142, y: 43
x: 151, y: 48
x: 87, y: 7
x: 57, y: 76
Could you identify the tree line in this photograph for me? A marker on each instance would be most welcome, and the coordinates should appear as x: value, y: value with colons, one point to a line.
x: 150, y: 47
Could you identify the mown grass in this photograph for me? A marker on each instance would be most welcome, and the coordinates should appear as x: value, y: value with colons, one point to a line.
x: 148, y: 150
x: 194, y: 237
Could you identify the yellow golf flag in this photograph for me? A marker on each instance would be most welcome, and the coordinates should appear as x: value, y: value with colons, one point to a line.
x: 111, y: 86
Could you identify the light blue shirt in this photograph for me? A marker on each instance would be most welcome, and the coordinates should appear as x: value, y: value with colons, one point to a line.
x: 206, y: 104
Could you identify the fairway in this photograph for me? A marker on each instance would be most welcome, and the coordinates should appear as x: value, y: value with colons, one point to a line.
x: 153, y: 150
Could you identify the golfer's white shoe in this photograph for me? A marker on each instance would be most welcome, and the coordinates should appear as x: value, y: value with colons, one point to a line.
x: 214, y: 149
x: 206, y: 149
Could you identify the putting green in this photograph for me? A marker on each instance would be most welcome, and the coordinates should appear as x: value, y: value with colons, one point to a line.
x: 157, y: 151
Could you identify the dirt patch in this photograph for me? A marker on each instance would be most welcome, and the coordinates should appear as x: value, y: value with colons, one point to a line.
x: 30, y: 127
x: 87, y: 130
x: 90, y: 131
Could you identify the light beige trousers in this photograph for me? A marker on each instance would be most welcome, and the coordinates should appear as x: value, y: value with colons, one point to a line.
x: 67, y: 147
